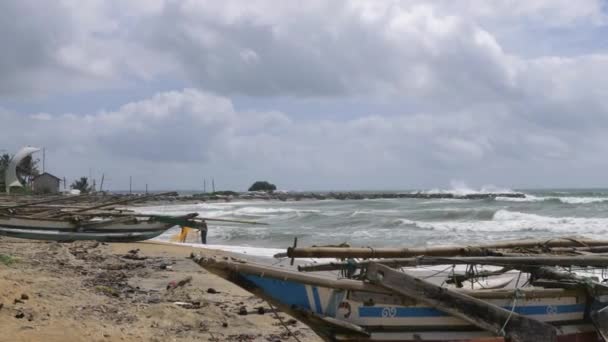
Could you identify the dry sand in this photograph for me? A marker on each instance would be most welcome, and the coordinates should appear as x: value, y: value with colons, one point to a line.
x: 88, y: 291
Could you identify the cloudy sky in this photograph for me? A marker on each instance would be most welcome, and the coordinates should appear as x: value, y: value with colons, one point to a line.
x: 310, y: 94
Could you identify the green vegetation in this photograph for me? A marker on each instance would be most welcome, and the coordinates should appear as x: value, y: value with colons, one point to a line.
x: 224, y: 193
x: 262, y: 186
x: 107, y: 290
x: 7, y: 260
x: 82, y: 184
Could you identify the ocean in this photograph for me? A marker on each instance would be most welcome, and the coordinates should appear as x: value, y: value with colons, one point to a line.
x: 400, y: 222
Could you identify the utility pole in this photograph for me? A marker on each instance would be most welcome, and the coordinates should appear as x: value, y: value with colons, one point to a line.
x: 204, y: 186
x: 130, y: 184
x: 213, y: 184
x: 43, y: 159
x: 146, y: 188
x: 101, y: 185
x: 64, y: 184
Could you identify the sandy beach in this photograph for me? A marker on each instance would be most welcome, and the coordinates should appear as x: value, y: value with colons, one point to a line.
x: 89, y: 291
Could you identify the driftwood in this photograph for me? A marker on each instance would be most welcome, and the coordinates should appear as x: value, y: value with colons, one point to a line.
x: 440, y: 251
x: 477, y: 312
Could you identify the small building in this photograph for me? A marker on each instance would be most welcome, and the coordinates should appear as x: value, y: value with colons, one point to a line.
x: 45, y: 183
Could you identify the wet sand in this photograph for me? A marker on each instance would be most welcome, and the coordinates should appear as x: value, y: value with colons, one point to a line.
x: 87, y: 291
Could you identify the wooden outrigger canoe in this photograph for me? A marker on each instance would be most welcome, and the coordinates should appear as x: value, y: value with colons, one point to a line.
x: 352, y: 310
x: 113, y: 229
x: 55, y: 235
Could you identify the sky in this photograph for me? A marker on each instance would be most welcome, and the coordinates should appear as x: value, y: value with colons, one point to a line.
x: 309, y: 95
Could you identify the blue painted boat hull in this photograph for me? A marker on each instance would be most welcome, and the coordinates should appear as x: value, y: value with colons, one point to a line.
x: 389, y: 317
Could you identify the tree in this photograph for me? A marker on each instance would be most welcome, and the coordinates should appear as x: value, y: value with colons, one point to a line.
x: 27, y: 169
x: 262, y: 186
x: 5, y: 159
x: 81, y: 184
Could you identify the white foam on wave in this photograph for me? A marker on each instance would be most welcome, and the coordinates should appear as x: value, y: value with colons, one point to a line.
x: 565, y: 199
x: 460, y: 188
x: 509, y: 221
x: 280, y: 210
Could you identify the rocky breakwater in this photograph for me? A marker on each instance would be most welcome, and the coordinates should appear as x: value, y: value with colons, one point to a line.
x: 298, y: 196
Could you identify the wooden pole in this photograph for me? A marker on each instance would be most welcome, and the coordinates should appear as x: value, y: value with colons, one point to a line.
x: 441, y: 251
x: 54, y: 200
x: 480, y: 313
x: 510, y: 261
x: 123, y: 201
x: 101, y: 185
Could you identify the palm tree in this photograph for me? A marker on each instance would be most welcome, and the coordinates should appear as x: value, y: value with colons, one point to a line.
x: 81, y: 184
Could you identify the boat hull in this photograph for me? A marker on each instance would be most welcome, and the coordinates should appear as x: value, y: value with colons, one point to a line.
x: 89, y: 226
x: 55, y: 235
x: 387, y: 317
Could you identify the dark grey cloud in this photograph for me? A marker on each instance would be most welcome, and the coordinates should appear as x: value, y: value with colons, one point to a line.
x: 476, y: 106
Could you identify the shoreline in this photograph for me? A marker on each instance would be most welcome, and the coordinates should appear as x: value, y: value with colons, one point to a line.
x: 126, y: 292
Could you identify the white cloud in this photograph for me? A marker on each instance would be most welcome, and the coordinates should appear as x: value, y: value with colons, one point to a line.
x: 173, y: 139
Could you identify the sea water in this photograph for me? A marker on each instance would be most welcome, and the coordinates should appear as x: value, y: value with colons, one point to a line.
x: 399, y: 222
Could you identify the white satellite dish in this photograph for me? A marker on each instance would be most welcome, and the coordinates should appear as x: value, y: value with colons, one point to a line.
x: 10, y: 178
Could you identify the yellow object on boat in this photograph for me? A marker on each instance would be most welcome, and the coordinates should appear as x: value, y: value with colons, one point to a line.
x: 182, y: 235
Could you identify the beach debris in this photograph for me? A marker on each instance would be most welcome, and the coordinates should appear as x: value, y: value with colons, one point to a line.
x: 261, y: 310
x: 24, y: 296
x: 19, y: 315
x: 165, y: 266
x: 212, y: 290
x: 133, y: 254
x: 187, y: 305
x: 243, y: 311
x: 175, y: 284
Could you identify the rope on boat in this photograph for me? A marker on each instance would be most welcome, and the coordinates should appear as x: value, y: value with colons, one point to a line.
x: 517, y: 294
x: 274, y: 311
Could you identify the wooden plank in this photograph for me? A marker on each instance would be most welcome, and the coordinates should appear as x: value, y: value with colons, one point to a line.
x: 482, y: 314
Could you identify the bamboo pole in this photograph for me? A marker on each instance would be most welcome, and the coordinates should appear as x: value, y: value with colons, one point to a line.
x: 53, y: 200
x: 133, y: 214
x: 510, y: 261
x: 123, y: 201
x: 439, y: 251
